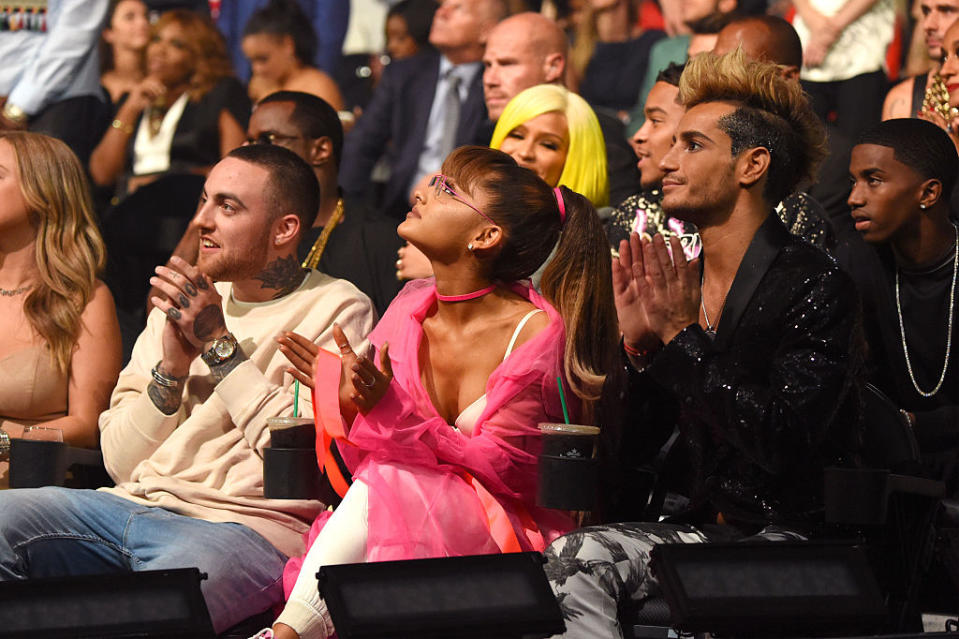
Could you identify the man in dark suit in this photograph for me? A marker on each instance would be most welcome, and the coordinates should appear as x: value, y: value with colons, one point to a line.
x: 425, y: 106
x: 750, y: 354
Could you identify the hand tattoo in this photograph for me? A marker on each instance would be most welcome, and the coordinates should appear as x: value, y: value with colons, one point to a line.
x: 184, y: 302
x: 201, y: 283
x: 190, y: 289
x: 173, y: 313
x: 207, y: 322
x: 283, y: 274
x: 166, y: 399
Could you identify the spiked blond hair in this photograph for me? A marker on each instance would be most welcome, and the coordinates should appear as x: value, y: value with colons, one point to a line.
x: 772, y: 112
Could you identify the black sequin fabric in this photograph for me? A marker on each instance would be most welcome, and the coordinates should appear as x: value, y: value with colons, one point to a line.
x: 774, y: 397
x: 643, y: 212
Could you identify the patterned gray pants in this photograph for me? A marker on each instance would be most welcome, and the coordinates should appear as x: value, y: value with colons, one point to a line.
x: 594, y: 570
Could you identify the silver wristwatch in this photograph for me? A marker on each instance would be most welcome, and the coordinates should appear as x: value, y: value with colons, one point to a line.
x: 4, y: 443
x: 223, y: 349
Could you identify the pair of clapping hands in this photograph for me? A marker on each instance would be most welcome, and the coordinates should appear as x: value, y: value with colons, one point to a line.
x: 362, y: 385
x: 656, y: 290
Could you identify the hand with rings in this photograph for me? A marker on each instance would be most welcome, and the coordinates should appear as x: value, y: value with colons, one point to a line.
x: 412, y: 264
x: 194, y: 313
x: 300, y: 352
x: 362, y: 385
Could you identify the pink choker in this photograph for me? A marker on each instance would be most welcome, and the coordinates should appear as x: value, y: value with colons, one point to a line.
x: 466, y: 296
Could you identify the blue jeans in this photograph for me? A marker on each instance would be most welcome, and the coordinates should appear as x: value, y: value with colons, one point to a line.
x: 49, y: 532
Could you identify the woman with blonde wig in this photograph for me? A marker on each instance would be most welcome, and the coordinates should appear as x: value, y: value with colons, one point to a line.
x: 59, y: 339
x: 553, y: 132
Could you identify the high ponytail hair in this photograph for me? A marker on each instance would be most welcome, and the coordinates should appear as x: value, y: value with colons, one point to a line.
x: 577, y: 281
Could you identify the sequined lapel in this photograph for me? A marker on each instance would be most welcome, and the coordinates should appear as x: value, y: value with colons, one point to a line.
x: 765, y: 246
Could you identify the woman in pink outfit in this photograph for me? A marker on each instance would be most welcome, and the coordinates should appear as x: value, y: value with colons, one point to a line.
x: 442, y: 438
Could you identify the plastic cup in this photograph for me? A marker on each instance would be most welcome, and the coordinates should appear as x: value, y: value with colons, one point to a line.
x: 291, y: 432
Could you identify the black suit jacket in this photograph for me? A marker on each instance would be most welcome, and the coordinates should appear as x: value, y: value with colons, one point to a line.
x: 764, y: 406
x: 395, y: 123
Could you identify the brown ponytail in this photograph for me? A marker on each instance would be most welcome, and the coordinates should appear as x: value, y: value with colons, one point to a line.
x: 578, y: 282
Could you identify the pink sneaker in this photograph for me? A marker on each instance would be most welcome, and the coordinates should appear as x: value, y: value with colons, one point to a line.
x: 266, y: 633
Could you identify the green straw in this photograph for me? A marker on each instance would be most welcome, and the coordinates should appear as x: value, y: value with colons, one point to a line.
x: 562, y: 398
x: 296, y: 398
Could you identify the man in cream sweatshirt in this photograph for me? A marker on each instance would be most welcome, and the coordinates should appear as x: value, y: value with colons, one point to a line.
x: 184, y: 434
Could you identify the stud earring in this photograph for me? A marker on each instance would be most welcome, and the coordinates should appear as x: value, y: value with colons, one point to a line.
x: 922, y: 206
x: 469, y: 247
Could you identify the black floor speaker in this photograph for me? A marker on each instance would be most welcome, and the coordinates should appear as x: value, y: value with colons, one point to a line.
x: 159, y: 603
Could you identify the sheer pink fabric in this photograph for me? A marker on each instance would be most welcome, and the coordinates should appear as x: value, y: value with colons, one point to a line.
x: 434, y: 491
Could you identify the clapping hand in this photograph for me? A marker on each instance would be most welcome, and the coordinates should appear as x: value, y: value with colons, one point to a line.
x: 656, y: 295
x: 194, y: 313
x: 362, y: 385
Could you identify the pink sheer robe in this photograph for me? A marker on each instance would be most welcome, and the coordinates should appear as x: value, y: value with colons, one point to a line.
x: 434, y: 491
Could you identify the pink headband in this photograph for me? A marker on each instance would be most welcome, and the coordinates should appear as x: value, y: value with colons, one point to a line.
x: 562, y: 206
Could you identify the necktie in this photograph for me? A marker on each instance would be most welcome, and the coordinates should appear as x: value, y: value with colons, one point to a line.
x: 451, y: 113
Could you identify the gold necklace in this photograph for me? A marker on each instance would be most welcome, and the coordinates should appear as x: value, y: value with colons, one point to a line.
x: 316, y: 251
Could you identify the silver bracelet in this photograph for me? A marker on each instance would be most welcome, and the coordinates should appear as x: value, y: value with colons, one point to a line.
x: 164, y: 380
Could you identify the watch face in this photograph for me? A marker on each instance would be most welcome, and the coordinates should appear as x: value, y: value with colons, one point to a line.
x: 224, y: 348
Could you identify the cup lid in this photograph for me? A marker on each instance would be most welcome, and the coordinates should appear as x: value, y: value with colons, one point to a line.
x: 569, y: 429
x: 287, y: 421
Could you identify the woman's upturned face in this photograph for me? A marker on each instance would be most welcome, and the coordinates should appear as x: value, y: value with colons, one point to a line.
x: 540, y: 144
x: 399, y: 43
x: 950, y: 63
x: 271, y: 57
x: 169, y: 58
x: 129, y: 26
x: 14, y: 211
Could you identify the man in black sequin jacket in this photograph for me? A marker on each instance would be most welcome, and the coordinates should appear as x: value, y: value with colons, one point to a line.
x: 753, y: 353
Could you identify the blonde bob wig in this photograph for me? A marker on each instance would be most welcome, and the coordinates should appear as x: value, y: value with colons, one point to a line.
x: 585, y: 168
x: 69, y: 250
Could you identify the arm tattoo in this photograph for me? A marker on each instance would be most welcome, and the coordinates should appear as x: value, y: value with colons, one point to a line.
x: 283, y: 274
x: 220, y: 371
x: 167, y: 400
x: 208, y: 321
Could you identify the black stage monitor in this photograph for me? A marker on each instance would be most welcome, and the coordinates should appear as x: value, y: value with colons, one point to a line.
x: 769, y: 588
x: 156, y: 603
x: 488, y: 596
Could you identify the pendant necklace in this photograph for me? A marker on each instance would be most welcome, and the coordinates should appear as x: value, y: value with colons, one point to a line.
x: 952, y: 308
x: 710, y: 329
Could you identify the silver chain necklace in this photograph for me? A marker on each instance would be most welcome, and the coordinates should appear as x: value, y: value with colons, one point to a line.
x: 902, y: 326
x: 11, y: 292
x: 710, y: 329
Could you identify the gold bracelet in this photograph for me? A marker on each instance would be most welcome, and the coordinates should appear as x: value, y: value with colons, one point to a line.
x: 126, y: 128
x: 14, y: 113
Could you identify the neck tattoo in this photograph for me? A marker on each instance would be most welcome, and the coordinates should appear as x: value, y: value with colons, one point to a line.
x: 952, y: 308
x: 13, y: 292
x: 283, y: 274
